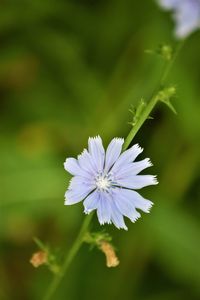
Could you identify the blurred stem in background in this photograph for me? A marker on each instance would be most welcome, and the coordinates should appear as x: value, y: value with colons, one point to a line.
x: 144, y: 110
x: 141, y: 114
x: 76, y: 246
x: 170, y: 64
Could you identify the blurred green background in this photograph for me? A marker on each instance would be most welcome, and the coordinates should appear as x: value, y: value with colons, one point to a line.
x: 69, y: 70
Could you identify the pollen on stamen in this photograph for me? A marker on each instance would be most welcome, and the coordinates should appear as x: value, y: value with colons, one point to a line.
x: 102, y: 183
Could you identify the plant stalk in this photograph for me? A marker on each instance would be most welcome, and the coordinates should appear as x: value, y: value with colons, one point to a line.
x: 84, y: 228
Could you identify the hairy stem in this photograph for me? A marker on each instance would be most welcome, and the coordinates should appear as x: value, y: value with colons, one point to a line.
x: 154, y: 99
x: 142, y: 118
x: 75, y: 248
x: 170, y: 64
x: 84, y: 228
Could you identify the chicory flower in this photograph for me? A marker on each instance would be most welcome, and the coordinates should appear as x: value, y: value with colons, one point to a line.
x: 107, y: 180
x: 186, y: 14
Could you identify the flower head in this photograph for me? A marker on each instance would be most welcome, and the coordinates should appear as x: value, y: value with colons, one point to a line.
x: 105, y: 181
x: 186, y: 15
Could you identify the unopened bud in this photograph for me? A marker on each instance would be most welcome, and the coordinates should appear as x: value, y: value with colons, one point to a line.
x: 166, y: 52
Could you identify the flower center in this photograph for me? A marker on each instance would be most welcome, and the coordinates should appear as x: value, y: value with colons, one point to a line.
x: 103, y: 182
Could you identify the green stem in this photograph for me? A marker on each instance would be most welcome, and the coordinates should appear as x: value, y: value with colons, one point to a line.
x: 153, y: 101
x: 80, y: 238
x: 75, y: 248
x: 142, y: 118
x: 170, y: 64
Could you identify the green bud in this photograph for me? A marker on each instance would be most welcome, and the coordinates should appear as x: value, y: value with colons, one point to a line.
x: 163, y: 50
x: 166, y: 96
x: 166, y: 52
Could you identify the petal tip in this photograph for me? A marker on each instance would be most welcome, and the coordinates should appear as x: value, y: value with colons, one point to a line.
x: 65, y: 164
x: 149, y: 163
x: 155, y: 180
x: 97, y: 137
x: 133, y: 220
x: 149, y: 207
x: 119, y: 139
x: 138, y: 147
x: 66, y: 202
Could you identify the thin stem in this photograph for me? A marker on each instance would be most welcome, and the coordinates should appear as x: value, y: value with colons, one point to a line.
x: 80, y: 238
x: 76, y: 246
x: 170, y: 64
x: 144, y: 115
x: 153, y: 101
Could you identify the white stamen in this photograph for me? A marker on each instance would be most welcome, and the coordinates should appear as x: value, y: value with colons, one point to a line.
x: 103, y: 183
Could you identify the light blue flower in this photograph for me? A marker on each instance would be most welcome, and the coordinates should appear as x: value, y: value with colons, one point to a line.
x: 105, y: 181
x: 186, y: 14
